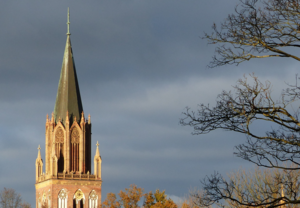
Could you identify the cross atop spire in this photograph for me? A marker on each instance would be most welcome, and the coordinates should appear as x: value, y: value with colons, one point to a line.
x: 68, y: 23
x: 97, y: 150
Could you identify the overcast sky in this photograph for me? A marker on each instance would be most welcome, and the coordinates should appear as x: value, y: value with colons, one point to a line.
x: 139, y: 64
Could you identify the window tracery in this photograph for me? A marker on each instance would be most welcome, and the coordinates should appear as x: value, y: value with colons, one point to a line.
x: 59, y: 148
x: 49, y: 198
x: 93, y: 199
x: 44, y: 200
x: 62, y: 199
x: 59, y: 136
x: 75, y: 137
x: 78, y: 199
x: 39, y: 205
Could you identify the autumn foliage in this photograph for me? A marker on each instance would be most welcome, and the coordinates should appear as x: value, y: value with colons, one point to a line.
x: 131, y: 198
x: 158, y: 200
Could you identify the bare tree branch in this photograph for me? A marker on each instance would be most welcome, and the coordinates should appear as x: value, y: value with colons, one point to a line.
x: 278, y: 148
x: 250, y: 189
x: 257, y: 29
x: 10, y: 199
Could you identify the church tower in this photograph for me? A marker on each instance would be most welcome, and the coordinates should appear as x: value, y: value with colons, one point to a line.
x: 67, y: 181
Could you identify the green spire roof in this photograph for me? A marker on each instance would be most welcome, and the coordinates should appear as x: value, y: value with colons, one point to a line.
x: 68, y: 95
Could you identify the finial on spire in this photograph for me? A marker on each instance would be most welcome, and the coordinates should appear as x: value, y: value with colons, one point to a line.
x: 82, y: 118
x: 97, y: 163
x: 52, y: 117
x: 39, y: 153
x: 97, y: 150
x: 68, y: 23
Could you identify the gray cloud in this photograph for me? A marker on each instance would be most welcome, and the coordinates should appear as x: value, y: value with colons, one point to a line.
x: 139, y: 64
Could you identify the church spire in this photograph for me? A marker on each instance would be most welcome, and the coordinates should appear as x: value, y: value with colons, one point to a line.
x: 68, y: 95
x: 68, y: 157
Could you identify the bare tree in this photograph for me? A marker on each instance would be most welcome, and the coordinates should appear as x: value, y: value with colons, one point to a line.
x: 257, y: 29
x: 25, y: 205
x: 254, y: 186
x: 278, y: 148
x: 191, y: 201
x: 10, y: 199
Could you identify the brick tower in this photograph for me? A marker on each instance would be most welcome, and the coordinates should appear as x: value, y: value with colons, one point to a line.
x: 67, y: 181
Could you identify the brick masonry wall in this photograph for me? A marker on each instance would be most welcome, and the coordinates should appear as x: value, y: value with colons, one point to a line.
x: 71, y: 186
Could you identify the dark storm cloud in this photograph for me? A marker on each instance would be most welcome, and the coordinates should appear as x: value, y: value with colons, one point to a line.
x: 139, y: 64
x: 147, y: 39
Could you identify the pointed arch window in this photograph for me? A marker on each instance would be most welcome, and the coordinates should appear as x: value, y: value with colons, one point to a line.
x: 44, y: 200
x: 49, y: 198
x: 39, y: 204
x: 59, y: 149
x: 75, y: 150
x: 39, y: 169
x: 78, y: 199
x: 93, y: 199
x: 62, y: 199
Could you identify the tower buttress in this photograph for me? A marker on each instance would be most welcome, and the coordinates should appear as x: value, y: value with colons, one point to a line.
x: 97, y: 163
x: 38, y: 165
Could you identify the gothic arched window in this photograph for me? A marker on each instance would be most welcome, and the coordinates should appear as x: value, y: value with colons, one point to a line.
x: 49, y: 198
x: 93, y: 199
x: 78, y: 199
x: 59, y: 149
x: 39, y: 204
x: 44, y: 200
x: 62, y: 199
x: 75, y: 150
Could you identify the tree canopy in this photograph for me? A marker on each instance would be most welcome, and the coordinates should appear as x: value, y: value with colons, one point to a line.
x: 131, y: 198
